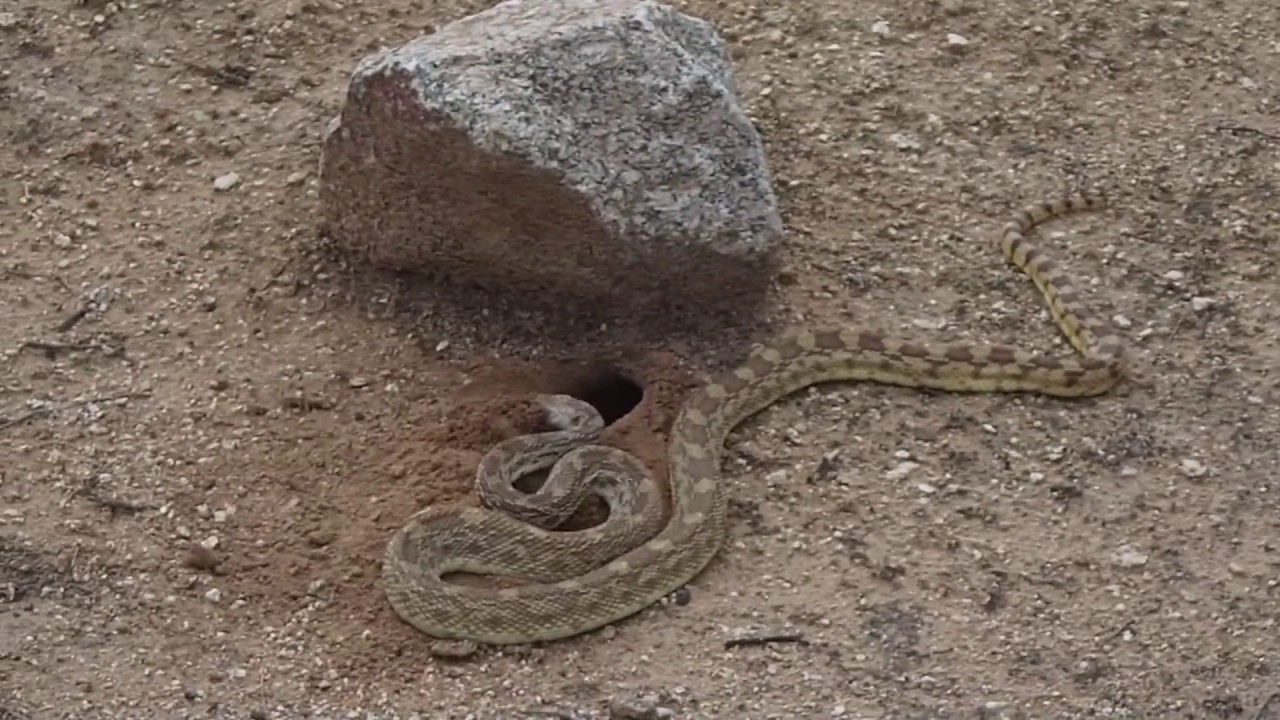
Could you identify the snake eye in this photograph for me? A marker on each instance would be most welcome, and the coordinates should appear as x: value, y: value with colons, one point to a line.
x: 606, y: 388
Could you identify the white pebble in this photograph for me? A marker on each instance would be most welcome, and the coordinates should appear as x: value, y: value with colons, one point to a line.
x: 223, y: 183
x: 957, y: 40
x: 930, y: 323
x: 901, y: 470
x: 1200, y: 304
x: 880, y: 27
x: 1127, y: 557
x: 213, y: 595
x: 1174, y: 275
x: 904, y: 142
x: 1193, y: 468
x: 1121, y: 322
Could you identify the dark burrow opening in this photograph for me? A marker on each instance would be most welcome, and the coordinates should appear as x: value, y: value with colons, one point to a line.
x: 606, y: 388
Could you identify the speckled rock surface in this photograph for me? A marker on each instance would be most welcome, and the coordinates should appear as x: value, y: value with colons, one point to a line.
x: 577, y: 149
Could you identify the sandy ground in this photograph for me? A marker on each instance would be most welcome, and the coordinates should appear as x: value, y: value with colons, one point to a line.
x: 184, y: 367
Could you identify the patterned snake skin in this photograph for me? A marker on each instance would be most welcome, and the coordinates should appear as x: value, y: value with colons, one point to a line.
x: 587, y: 579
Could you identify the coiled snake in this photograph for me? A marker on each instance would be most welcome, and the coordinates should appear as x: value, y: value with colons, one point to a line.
x: 586, y: 579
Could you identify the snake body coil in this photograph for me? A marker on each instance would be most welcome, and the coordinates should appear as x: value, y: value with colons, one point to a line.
x: 587, y: 579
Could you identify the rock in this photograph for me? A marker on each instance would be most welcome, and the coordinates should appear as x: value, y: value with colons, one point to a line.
x: 1193, y: 468
x: 901, y: 470
x: 1127, y: 557
x: 591, y: 150
x: 638, y: 707
x: 223, y: 183
x: 201, y: 557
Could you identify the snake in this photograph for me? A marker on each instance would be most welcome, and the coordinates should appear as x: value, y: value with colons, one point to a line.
x: 582, y: 580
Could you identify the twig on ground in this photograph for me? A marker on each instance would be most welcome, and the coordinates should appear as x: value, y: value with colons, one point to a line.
x: 74, y: 318
x: 551, y: 713
x: 765, y: 640
x: 1246, y: 130
x: 50, y: 348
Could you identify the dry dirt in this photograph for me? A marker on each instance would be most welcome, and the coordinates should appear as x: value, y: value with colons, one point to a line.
x: 183, y: 365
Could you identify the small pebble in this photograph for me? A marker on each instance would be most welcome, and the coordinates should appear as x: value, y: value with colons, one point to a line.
x: 1127, y: 557
x: 199, y: 557
x: 1193, y: 468
x: 901, y: 470
x: 643, y: 707
x: 453, y: 649
x: 1200, y: 304
x: 904, y: 142
x: 223, y: 183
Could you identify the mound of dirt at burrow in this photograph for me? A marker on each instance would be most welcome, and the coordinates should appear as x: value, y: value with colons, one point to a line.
x: 333, y: 490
